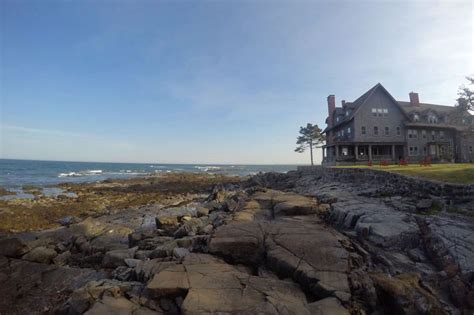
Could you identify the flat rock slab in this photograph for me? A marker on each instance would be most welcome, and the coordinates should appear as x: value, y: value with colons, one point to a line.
x: 210, y: 285
x: 298, y: 247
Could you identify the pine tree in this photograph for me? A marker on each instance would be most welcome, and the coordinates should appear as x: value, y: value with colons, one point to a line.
x: 310, y: 137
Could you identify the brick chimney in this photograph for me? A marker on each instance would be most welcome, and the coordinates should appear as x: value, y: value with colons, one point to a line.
x: 414, y: 99
x: 331, y: 109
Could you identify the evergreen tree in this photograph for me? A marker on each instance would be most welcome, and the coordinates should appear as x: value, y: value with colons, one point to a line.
x: 310, y: 137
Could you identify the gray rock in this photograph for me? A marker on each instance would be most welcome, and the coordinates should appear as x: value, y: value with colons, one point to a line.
x: 328, y: 305
x: 41, y: 254
x: 68, y: 220
x: 116, y: 258
x: 424, y: 204
x: 180, y: 252
x: 190, y: 227
x: 12, y: 247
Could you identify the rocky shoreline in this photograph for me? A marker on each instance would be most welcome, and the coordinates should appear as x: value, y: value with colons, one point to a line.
x: 270, y: 244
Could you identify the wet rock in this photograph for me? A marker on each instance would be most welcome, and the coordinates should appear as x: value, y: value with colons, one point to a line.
x: 41, y: 255
x: 12, y: 247
x: 116, y: 258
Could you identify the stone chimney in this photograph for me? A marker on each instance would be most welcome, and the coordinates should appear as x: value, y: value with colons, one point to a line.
x: 343, y: 103
x: 331, y: 109
x: 414, y: 99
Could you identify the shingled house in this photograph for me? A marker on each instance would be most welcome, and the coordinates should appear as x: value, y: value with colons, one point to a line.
x: 377, y: 127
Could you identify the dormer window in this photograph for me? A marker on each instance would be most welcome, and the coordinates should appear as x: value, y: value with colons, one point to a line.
x: 337, y: 119
x: 432, y: 119
x: 416, y: 117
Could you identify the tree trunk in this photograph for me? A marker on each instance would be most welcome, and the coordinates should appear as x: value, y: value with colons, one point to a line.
x: 311, y: 152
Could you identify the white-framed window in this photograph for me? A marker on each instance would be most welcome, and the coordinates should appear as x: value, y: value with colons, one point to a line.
x: 441, y: 135
x: 337, y: 119
x: 376, y: 131
x: 416, y: 117
x: 423, y: 134
x: 385, y: 112
x: 413, y: 151
x: 433, y: 135
x: 349, y: 130
x: 380, y: 112
x: 387, y: 131
x: 374, y: 112
x: 399, y: 131
x: 363, y: 131
x: 432, y: 119
x: 412, y: 133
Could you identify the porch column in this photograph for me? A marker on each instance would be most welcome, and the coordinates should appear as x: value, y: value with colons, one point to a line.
x: 356, y: 151
x: 337, y: 152
x: 370, y: 152
x: 393, y: 152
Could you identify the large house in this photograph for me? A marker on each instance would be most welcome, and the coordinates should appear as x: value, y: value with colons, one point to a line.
x: 377, y: 127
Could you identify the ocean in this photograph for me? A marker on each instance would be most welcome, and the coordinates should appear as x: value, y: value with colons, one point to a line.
x: 15, y: 174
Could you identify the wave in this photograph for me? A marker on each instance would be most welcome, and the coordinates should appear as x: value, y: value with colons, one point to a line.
x: 70, y: 174
x: 207, y: 168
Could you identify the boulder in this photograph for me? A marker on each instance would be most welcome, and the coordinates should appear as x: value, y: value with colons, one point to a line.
x: 41, y: 254
x: 190, y: 227
x: 68, y: 220
x: 116, y: 258
x: 202, y: 211
x: 12, y: 247
x: 166, y: 221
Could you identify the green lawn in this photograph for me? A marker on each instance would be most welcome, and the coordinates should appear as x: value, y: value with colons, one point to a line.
x: 451, y: 173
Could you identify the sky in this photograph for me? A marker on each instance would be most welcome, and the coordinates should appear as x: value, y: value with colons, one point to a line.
x: 211, y: 81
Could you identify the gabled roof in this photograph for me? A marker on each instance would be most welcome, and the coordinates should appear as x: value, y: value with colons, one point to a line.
x: 361, y: 101
x: 442, y: 109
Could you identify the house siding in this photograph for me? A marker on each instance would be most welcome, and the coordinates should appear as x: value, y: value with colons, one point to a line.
x: 364, y: 118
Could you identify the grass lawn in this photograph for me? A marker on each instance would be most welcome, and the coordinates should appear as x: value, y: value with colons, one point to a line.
x: 451, y: 173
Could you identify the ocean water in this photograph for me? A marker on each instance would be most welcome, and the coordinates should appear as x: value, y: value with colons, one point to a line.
x: 16, y: 173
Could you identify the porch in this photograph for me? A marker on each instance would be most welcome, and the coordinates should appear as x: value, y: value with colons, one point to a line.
x: 361, y: 153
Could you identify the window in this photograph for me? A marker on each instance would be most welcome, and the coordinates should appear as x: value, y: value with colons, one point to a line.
x: 347, y: 113
x: 385, y: 112
x: 423, y: 134
x: 376, y: 131
x: 441, y: 135
x: 362, y: 130
x: 398, y: 131
x: 337, y: 119
x: 416, y: 117
x: 425, y: 150
x: 379, y: 110
x: 374, y: 112
x: 470, y: 149
x: 433, y: 135
x: 387, y: 131
x: 349, y: 130
x: 412, y: 134
x: 413, y: 151
x: 432, y: 119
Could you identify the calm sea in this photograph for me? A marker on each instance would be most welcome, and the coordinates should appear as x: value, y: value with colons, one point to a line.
x: 16, y: 173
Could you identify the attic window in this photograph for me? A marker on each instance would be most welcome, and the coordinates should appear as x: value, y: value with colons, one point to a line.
x: 385, y: 112
x: 416, y: 117
x: 374, y: 112
x: 432, y: 119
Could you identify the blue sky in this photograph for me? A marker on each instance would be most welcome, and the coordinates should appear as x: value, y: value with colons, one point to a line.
x: 211, y: 81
